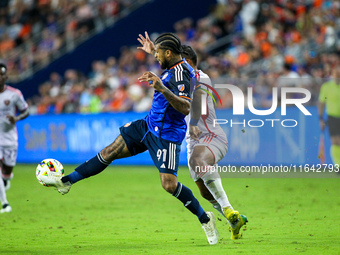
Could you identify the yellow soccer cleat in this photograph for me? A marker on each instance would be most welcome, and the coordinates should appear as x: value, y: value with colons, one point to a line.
x: 236, y: 222
x: 235, y: 229
x: 231, y: 215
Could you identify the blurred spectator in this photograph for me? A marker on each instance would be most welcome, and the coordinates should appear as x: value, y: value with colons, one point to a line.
x: 141, y: 102
x: 288, y: 78
x: 32, y: 32
x: 249, y: 13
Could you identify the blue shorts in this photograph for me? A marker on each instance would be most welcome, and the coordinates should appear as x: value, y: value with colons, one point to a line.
x: 138, y: 138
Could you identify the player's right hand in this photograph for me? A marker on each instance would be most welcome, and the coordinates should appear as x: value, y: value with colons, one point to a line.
x: 153, y: 80
x: 11, y: 119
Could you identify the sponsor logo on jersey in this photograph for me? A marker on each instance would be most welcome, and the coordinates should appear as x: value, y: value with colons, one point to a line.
x: 181, y: 87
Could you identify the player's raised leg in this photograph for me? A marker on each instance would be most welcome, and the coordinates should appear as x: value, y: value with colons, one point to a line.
x: 97, y: 164
x: 202, y: 159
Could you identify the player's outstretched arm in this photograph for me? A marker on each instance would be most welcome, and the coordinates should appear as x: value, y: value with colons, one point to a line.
x: 147, y: 44
x: 180, y: 104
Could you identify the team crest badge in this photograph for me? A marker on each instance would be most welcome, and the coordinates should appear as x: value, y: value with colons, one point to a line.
x: 127, y: 124
x: 164, y: 76
x: 181, y: 87
x: 7, y: 102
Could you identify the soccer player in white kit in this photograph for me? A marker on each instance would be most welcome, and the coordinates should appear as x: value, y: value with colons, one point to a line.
x: 11, y: 101
x: 207, y: 144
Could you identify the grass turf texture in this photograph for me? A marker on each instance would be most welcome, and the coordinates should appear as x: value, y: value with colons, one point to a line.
x: 124, y: 210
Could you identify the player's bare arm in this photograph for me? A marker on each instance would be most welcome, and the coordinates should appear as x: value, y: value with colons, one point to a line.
x: 23, y: 115
x: 180, y: 104
x: 195, y: 113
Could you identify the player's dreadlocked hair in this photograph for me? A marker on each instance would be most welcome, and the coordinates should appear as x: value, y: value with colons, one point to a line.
x: 189, y: 53
x: 169, y: 41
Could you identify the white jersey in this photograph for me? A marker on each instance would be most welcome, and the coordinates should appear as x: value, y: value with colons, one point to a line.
x: 206, y: 122
x: 11, y: 100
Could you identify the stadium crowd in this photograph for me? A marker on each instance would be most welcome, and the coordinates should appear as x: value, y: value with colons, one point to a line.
x: 269, y: 44
x: 32, y: 33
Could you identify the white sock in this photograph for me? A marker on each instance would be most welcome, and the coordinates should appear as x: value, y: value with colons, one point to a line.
x: 3, y: 197
x: 217, y: 206
x: 212, y: 181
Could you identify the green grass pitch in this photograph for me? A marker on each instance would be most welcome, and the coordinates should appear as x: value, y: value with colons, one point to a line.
x: 124, y: 210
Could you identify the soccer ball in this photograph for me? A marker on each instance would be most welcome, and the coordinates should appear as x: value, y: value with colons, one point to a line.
x: 48, y: 167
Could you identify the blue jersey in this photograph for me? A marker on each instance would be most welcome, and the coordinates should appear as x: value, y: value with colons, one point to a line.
x: 163, y: 120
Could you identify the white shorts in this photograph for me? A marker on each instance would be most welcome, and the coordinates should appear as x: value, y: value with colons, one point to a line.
x: 214, y: 144
x: 8, y: 155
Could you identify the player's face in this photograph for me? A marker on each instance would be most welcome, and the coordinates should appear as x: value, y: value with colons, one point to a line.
x: 161, y: 57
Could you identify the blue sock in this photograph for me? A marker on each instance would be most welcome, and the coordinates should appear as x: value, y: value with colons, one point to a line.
x: 185, y: 195
x: 91, y: 167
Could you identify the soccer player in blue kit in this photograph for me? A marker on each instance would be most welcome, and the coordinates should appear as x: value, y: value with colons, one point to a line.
x: 161, y: 132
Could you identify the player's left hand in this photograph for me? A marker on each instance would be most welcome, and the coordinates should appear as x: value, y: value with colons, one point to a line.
x: 11, y: 119
x: 194, y: 132
x: 147, y: 44
x: 153, y: 80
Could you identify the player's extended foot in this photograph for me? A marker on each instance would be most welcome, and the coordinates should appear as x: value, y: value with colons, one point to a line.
x: 210, y: 229
x: 63, y: 188
x: 6, y: 208
x: 235, y: 228
x: 236, y: 222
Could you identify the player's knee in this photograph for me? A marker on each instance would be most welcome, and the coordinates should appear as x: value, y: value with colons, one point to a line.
x: 195, y: 162
x: 108, y: 153
x: 169, y: 186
